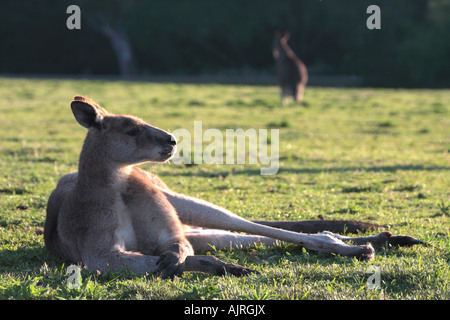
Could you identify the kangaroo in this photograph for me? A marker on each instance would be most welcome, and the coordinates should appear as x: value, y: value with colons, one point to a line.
x: 111, y: 214
x: 291, y: 71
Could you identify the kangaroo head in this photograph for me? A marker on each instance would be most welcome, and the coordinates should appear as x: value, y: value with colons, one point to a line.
x: 281, y: 37
x: 284, y: 38
x: 123, y: 139
x: 280, y: 42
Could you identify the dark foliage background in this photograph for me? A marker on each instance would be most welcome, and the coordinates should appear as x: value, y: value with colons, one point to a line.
x: 175, y: 37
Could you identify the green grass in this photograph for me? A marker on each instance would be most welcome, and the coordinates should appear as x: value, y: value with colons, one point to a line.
x: 365, y: 154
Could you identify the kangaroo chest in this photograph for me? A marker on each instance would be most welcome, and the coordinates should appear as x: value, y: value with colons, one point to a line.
x: 125, y: 234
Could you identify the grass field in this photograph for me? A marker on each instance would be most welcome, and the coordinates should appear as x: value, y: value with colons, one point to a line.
x: 373, y: 155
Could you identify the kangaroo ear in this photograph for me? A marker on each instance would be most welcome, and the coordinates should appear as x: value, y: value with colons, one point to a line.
x: 286, y: 35
x: 87, y: 112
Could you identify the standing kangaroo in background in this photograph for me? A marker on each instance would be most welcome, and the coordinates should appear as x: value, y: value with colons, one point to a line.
x: 111, y: 215
x: 291, y: 71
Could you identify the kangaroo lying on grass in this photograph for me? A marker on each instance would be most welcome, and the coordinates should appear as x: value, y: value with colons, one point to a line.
x: 111, y: 215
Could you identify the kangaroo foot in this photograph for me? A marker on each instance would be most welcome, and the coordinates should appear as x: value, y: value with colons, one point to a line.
x: 382, y: 240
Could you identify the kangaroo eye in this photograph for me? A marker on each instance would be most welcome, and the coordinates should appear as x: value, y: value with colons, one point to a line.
x: 133, y: 132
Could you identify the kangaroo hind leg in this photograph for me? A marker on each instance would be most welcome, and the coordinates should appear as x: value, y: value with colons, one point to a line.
x: 211, y: 239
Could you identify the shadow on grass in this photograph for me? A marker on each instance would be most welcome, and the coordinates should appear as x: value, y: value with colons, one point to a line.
x: 23, y: 260
x: 257, y: 171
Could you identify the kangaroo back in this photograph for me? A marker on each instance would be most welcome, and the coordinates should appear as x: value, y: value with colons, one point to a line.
x: 55, y: 202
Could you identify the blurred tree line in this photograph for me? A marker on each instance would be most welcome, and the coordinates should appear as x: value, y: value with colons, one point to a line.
x: 412, y: 48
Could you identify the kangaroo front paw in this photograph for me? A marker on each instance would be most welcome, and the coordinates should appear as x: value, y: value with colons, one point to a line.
x: 172, y: 262
x: 169, y: 265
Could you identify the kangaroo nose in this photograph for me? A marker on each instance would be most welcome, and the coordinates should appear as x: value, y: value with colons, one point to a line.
x: 172, y: 140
